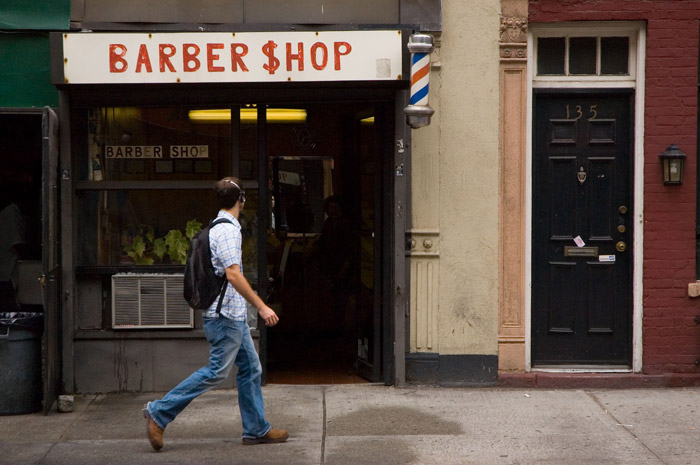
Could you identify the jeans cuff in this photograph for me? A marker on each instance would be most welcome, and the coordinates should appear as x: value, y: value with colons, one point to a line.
x: 150, y: 414
x: 256, y: 437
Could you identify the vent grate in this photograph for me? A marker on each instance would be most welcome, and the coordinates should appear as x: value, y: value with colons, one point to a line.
x: 149, y: 301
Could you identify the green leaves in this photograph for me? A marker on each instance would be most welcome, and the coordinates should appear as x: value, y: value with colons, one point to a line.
x: 143, y: 248
x: 137, y: 252
x: 192, y: 228
x: 159, y: 248
x: 177, y: 246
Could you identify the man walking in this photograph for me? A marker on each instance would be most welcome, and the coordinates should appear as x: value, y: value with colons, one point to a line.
x: 228, y: 335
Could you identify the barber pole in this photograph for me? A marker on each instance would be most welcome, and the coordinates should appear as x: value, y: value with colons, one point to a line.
x: 420, y: 78
x: 418, y: 113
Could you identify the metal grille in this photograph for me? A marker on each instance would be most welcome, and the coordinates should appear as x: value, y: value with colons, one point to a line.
x: 149, y: 301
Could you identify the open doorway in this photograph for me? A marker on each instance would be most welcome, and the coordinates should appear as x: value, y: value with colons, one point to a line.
x: 326, y: 180
x: 29, y: 252
x: 20, y: 191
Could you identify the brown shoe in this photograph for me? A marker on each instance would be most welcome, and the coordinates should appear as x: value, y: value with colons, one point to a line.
x: 272, y: 436
x: 153, y: 431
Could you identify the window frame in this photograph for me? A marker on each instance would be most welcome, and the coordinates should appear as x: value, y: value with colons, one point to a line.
x: 586, y: 29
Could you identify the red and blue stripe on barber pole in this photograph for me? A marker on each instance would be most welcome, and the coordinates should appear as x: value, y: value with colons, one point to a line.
x: 420, y: 69
x: 418, y: 112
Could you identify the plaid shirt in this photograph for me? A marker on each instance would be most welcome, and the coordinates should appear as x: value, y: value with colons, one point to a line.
x: 225, y: 243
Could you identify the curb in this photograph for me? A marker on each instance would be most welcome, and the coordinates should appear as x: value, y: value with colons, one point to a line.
x: 597, y: 380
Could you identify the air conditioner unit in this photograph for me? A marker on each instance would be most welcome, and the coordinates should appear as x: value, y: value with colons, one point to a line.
x: 149, y: 301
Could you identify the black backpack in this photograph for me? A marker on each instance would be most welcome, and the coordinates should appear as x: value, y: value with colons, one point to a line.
x: 202, y: 285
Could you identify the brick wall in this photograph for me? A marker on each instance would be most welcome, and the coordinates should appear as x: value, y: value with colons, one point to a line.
x: 671, y: 337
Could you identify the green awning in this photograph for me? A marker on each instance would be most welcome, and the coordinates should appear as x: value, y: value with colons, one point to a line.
x: 25, y: 74
x: 35, y: 14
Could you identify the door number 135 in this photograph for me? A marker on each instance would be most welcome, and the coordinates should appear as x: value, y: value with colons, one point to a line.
x: 578, y: 112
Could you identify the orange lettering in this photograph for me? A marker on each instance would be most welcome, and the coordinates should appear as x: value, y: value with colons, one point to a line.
x: 143, y: 59
x: 116, y: 54
x: 236, y: 57
x: 212, y: 57
x: 299, y: 57
x: 190, y: 62
x: 314, y: 56
x: 338, y: 53
x: 165, y: 51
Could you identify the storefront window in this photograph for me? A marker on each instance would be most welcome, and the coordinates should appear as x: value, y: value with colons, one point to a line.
x: 149, y: 173
x: 140, y: 227
x: 154, y: 144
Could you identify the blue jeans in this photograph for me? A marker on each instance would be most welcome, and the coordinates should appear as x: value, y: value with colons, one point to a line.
x: 230, y: 342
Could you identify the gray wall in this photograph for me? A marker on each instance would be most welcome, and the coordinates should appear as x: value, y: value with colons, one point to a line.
x: 133, y: 365
x: 220, y: 12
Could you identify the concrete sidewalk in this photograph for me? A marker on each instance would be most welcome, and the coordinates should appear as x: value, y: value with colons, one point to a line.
x: 365, y: 424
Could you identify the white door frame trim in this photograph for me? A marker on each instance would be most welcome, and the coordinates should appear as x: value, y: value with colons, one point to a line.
x: 637, y: 82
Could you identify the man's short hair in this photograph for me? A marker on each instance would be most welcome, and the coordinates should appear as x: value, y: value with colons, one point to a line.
x: 228, y: 191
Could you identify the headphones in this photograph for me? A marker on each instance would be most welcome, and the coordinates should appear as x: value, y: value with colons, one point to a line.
x: 241, y: 196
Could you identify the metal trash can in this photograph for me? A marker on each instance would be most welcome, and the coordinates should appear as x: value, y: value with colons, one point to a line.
x: 20, y: 362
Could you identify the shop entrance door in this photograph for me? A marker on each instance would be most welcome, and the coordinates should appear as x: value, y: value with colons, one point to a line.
x: 21, y: 173
x: 582, y: 229
x: 50, y: 255
x: 325, y: 232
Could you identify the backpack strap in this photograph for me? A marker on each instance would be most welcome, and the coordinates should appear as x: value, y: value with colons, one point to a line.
x: 216, y: 221
x: 221, y: 297
x: 223, y: 286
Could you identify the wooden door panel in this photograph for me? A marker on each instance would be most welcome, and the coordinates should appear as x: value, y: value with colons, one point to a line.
x: 601, y: 131
x: 51, y: 256
x: 562, y: 208
x: 601, y: 289
x: 563, y: 131
x: 562, y: 286
x: 600, y: 187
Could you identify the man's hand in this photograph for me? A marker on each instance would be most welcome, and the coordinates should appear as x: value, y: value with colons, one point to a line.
x: 238, y: 281
x: 268, y: 315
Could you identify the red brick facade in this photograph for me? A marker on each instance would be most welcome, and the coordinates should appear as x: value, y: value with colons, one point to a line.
x: 671, y: 337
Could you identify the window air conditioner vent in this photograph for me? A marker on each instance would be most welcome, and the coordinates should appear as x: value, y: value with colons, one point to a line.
x: 149, y: 301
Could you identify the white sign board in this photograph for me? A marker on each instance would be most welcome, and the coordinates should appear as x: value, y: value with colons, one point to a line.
x: 134, y: 151
x: 189, y: 151
x: 289, y: 177
x: 190, y: 57
x: 156, y: 151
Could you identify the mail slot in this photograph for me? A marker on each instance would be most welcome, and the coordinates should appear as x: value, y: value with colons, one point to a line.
x: 580, y: 251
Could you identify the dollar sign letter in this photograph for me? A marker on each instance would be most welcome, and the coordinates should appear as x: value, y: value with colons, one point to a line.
x: 269, y: 51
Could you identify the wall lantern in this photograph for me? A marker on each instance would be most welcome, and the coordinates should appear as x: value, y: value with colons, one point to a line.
x: 672, y: 161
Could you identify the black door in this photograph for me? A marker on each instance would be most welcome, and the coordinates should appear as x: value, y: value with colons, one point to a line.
x: 50, y: 256
x: 582, y: 228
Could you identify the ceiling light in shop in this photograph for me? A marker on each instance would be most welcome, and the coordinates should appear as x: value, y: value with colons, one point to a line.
x: 249, y: 115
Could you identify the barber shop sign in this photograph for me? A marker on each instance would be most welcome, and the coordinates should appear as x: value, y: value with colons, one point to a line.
x: 111, y: 58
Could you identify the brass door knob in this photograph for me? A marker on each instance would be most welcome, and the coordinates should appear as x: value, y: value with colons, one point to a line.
x: 621, y: 246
